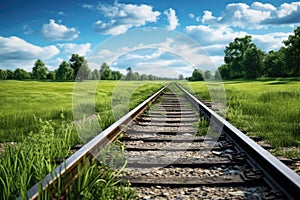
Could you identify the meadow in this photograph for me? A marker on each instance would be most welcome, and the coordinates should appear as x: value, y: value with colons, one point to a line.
x: 38, y: 118
x: 23, y: 103
x: 267, y: 108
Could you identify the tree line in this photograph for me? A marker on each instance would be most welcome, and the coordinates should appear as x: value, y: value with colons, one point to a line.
x: 77, y: 68
x: 243, y: 60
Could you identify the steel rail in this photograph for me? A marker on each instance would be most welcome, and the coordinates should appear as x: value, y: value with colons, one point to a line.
x: 280, y: 175
x: 69, y: 167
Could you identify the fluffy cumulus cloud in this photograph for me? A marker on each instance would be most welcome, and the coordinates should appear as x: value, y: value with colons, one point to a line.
x: 55, y: 32
x: 207, y: 35
x: 173, y: 20
x: 121, y: 17
x: 207, y: 17
x: 239, y: 15
x: 255, y: 15
x: 71, y: 48
x: 263, y: 7
x: 285, y: 14
x: 270, y: 41
x: 15, y: 51
x: 14, y: 48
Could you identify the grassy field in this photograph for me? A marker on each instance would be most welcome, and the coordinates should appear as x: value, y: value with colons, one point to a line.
x: 38, y: 117
x: 266, y: 108
x: 24, y: 102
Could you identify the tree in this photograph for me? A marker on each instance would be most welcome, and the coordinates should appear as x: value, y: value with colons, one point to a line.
x: 64, y: 72
x: 234, y: 55
x: 39, y: 71
x: 20, y: 74
x: 51, y: 75
x: 180, y: 77
x: 293, y: 51
x: 275, y: 65
x: 217, y: 75
x: 80, y: 67
x: 103, y: 67
x: 129, y: 75
x: 136, y: 76
x: 224, y: 72
x: 106, y: 74
x: 197, y: 75
x: 144, y: 77
x: 10, y: 74
x: 253, y: 63
x: 208, y: 75
x: 150, y: 77
x: 3, y: 74
x: 95, y: 74
x: 116, y: 75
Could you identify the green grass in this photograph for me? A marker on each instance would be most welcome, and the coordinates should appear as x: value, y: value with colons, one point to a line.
x: 38, y: 116
x: 23, y: 101
x: 267, y: 108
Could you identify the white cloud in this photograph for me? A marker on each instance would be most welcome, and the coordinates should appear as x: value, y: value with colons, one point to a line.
x: 217, y: 60
x: 261, y: 6
x: 122, y: 17
x: 191, y: 15
x: 16, y: 52
x: 14, y: 48
x: 89, y: 6
x: 287, y: 9
x: 241, y: 15
x: 61, y: 13
x: 55, y: 32
x: 151, y: 56
x: 285, y: 14
x: 53, y: 64
x: 173, y: 21
x: 270, y: 41
x: 207, y: 17
x: 215, y: 49
x: 71, y: 48
x: 207, y: 35
x: 254, y: 16
x: 27, y: 29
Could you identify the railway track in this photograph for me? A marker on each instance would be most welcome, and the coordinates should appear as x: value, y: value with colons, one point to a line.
x: 168, y: 159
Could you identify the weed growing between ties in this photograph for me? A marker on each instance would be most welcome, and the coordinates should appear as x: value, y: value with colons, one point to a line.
x: 264, y: 108
x: 202, y: 126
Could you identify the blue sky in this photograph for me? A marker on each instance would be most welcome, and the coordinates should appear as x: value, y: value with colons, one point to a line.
x: 105, y: 31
